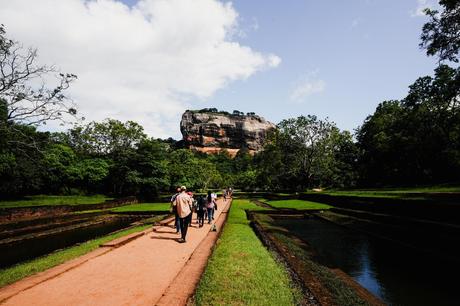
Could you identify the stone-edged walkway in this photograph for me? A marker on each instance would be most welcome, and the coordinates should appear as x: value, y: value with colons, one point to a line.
x: 152, y: 269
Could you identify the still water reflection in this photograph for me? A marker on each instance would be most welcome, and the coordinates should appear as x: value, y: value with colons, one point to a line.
x: 44, y: 244
x: 397, y: 274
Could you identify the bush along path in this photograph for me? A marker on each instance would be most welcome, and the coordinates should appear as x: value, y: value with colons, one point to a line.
x: 140, y: 272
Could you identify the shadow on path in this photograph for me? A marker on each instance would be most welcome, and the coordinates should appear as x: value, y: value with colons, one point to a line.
x: 165, y: 238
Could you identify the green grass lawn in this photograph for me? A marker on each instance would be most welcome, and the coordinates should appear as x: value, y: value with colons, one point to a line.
x: 143, y: 207
x: 19, y: 271
x: 82, y: 212
x: 297, y: 204
x: 242, y: 271
x: 41, y: 200
x: 395, y: 192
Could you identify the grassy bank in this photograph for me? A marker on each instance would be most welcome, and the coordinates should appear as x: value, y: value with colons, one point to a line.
x: 409, y: 193
x: 143, y: 207
x: 297, y: 204
x: 42, y: 200
x: 19, y: 271
x: 241, y: 270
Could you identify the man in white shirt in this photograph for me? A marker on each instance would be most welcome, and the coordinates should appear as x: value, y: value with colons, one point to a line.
x: 183, y: 203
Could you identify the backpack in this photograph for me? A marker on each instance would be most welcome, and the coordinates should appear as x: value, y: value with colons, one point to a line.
x: 201, y: 203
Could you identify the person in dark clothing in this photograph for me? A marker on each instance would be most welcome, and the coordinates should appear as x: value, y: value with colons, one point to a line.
x: 174, y: 210
x: 200, y: 209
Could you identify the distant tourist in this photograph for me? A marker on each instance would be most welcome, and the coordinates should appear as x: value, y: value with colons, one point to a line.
x: 200, y: 210
x: 174, y: 210
x: 230, y: 192
x: 210, y: 205
x: 184, y: 203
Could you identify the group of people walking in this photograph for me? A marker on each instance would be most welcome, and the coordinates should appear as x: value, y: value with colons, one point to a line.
x: 183, y: 204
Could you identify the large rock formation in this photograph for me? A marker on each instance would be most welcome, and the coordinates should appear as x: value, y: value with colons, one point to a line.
x: 211, y: 131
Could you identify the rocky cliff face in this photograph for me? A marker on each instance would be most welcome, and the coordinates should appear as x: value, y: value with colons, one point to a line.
x: 212, y: 131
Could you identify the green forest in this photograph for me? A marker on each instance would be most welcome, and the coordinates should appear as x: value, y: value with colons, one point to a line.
x: 413, y: 141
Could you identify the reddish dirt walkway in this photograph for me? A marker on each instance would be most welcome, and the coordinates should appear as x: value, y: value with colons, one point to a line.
x: 137, y: 273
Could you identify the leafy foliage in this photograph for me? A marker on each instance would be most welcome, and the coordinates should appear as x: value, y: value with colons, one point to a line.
x: 416, y: 140
x: 441, y: 35
x: 305, y: 152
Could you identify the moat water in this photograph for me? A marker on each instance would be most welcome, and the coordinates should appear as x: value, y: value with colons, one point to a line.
x: 397, y: 274
x: 41, y: 245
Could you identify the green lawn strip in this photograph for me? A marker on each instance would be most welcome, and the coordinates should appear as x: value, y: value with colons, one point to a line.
x: 87, y: 211
x: 297, y: 204
x: 42, y: 200
x: 374, y: 194
x: 143, y: 207
x: 395, y: 192
x: 19, y: 271
x: 242, y: 271
x: 339, y: 290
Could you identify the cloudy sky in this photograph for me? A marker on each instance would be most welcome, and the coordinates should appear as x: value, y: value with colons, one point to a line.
x: 149, y: 60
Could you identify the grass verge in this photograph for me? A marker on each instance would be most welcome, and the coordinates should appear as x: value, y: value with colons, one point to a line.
x: 143, y: 207
x: 42, y: 200
x: 19, y: 271
x: 242, y: 271
x: 297, y: 204
x: 402, y: 193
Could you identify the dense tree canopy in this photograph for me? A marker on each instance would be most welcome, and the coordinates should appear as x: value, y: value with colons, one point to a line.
x: 307, y: 152
x: 415, y: 140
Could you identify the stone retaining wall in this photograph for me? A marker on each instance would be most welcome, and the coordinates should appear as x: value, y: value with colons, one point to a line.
x: 32, y: 212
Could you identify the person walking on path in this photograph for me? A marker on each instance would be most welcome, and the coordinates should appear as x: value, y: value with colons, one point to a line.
x: 200, y: 209
x: 174, y: 210
x: 183, y: 203
x: 192, y: 207
x: 210, y: 204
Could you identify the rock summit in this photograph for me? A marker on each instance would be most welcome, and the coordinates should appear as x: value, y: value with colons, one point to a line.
x: 210, y: 131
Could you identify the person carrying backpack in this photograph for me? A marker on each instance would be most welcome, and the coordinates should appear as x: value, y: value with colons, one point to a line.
x: 174, y: 210
x: 200, y: 209
x: 210, y: 205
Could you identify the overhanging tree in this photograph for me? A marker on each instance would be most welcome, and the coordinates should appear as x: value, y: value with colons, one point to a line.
x: 441, y: 35
x: 26, y: 96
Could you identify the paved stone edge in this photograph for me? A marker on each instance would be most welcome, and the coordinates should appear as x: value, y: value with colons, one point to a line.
x: 13, y: 289
x: 31, y: 281
x: 179, y: 292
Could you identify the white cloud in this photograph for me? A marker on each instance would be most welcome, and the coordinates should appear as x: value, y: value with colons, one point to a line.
x: 421, y: 6
x: 142, y: 63
x: 308, y: 86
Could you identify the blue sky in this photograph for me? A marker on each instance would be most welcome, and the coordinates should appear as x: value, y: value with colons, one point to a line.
x: 365, y: 52
x: 149, y: 60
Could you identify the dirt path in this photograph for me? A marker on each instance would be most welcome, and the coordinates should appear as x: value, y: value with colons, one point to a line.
x: 137, y: 273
